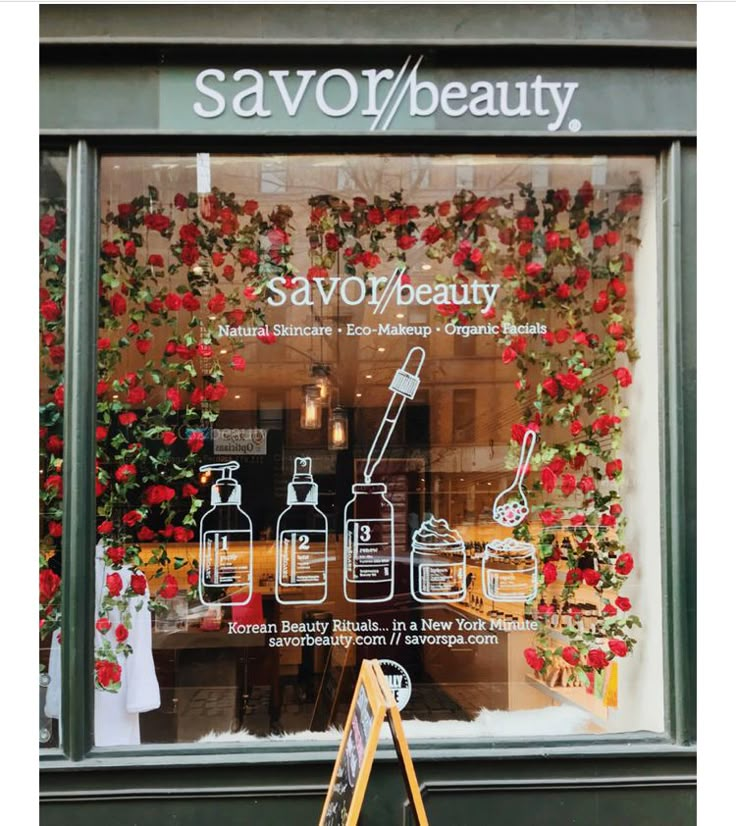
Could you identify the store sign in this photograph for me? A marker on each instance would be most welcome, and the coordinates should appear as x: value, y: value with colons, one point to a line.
x: 239, y: 441
x: 378, y: 94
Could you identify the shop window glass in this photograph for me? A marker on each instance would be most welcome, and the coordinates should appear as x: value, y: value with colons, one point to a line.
x: 52, y: 269
x: 298, y: 465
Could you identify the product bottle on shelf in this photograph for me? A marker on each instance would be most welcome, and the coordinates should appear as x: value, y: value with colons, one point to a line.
x: 225, y: 543
x: 301, y: 542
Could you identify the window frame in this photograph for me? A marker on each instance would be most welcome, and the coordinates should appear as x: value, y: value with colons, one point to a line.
x: 676, y: 287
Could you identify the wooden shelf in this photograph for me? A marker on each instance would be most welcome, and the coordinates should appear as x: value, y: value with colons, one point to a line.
x: 576, y: 696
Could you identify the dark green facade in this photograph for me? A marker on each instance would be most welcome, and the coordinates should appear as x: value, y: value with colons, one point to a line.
x: 641, y: 59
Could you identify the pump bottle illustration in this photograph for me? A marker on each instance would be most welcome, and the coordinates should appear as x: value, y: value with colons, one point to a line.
x: 368, y: 528
x: 225, y: 543
x: 301, y: 542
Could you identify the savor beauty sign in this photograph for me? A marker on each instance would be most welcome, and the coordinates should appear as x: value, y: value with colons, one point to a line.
x: 372, y: 703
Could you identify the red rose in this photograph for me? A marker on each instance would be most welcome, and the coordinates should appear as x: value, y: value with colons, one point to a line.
x: 54, y: 483
x: 618, y: 288
x: 612, y: 238
x: 172, y: 301
x: 624, y: 603
x: 59, y: 395
x: 155, y: 260
x: 129, y: 249
x: 614, y: 468
x: 563, y: 292
x: 575, y: 428
x: 55, y: 444
x: 114, y: 584
x: 622, y: 376
x: 55, y: 529
x: 170, y: 588
x: 190, y: 302
x: 48, y: 584
x: 132, y: 518
x: 192, y: 577
x: 624, y: 564
x: 550, y: 387
x: 216, y: 304
x: 549, y: 571
x: 533, y: 659
x: 116, y: 554
x: 125, y: 473
x: 568, y: 484
x: 583, y: 229
x: 569, y: 381
x: 103, y: 625
x: 182, y: 534
x: 618, y: 647
x: 601, y: 303
x: 156, y: 494
x: 517, y: 432
x: 138, y: 584
x: 145, y: 534
x: 571, y: 655
x: 189, y: 254
x: 405, y: 242
x: 105, y: 527
x: 46, y: 225
x: 50, y: 310
x: 168, y: 437
x: 551, y: 517
x: 195, y: 441
x: 532, y: 269
x: 597, y: 659
x: 609, y: 610
x: 582, y: 276
x: 121, y: 633
x: 573, y: 576
x: 549, y: 479
x: 525, y: 223
x: 110, y: 249
x: 591, y: 577
x: 136, y: 395
x: 107, y: 672
x: 188, y: 490
x: 616, y: 330
x: 127, y: 418
x: 551, y: 241
x: 118, y: 304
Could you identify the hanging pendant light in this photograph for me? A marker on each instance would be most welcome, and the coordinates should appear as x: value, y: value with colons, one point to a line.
x: 337, y: 431
x: 320, y: 374
x: 311, y: 413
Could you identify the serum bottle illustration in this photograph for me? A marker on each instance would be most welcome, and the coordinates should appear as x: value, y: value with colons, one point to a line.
x: 368, y: 528
x: 225, y: 543
x: 301, y: 542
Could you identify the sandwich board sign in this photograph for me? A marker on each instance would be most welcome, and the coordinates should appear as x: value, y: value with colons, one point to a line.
x: 373, y: 702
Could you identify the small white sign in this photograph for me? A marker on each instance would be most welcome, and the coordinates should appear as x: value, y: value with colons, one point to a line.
x: 239, y: 441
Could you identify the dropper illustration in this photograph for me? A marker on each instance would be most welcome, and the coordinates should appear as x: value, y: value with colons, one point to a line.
x: 404, y: 385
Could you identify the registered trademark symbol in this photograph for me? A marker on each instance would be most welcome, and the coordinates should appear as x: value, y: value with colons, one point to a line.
x: 574, y: 125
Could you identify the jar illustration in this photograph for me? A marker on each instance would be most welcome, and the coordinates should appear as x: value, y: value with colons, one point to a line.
x: 437, y: 562
x: 510, y: 571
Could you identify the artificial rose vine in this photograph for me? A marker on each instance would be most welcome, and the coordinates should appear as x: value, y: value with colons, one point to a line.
x: 561, y: 261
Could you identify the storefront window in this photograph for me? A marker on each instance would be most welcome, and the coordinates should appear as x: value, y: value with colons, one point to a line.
x: 349, y: 410
x: 52, y: 267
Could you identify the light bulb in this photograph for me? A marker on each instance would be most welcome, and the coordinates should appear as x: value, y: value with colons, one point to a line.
x: 338, y: 430
x: 311, y: 415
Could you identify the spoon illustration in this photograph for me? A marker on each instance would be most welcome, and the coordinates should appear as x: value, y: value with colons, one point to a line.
x: 510, y: 507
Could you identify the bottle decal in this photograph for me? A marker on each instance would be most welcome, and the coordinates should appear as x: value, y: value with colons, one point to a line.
x: 225, y: 543
x: 301, y: 542
x: 368, y: 527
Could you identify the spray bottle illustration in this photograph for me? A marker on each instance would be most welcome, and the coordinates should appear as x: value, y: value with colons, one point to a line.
x: 225, y: 543
x: 368, y: 530
x: 301, y: 542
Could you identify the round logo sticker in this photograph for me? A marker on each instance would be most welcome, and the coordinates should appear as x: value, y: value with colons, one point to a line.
x: 398, y: 680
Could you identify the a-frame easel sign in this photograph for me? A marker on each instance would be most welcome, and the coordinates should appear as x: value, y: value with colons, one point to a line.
x: 372, y: 703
